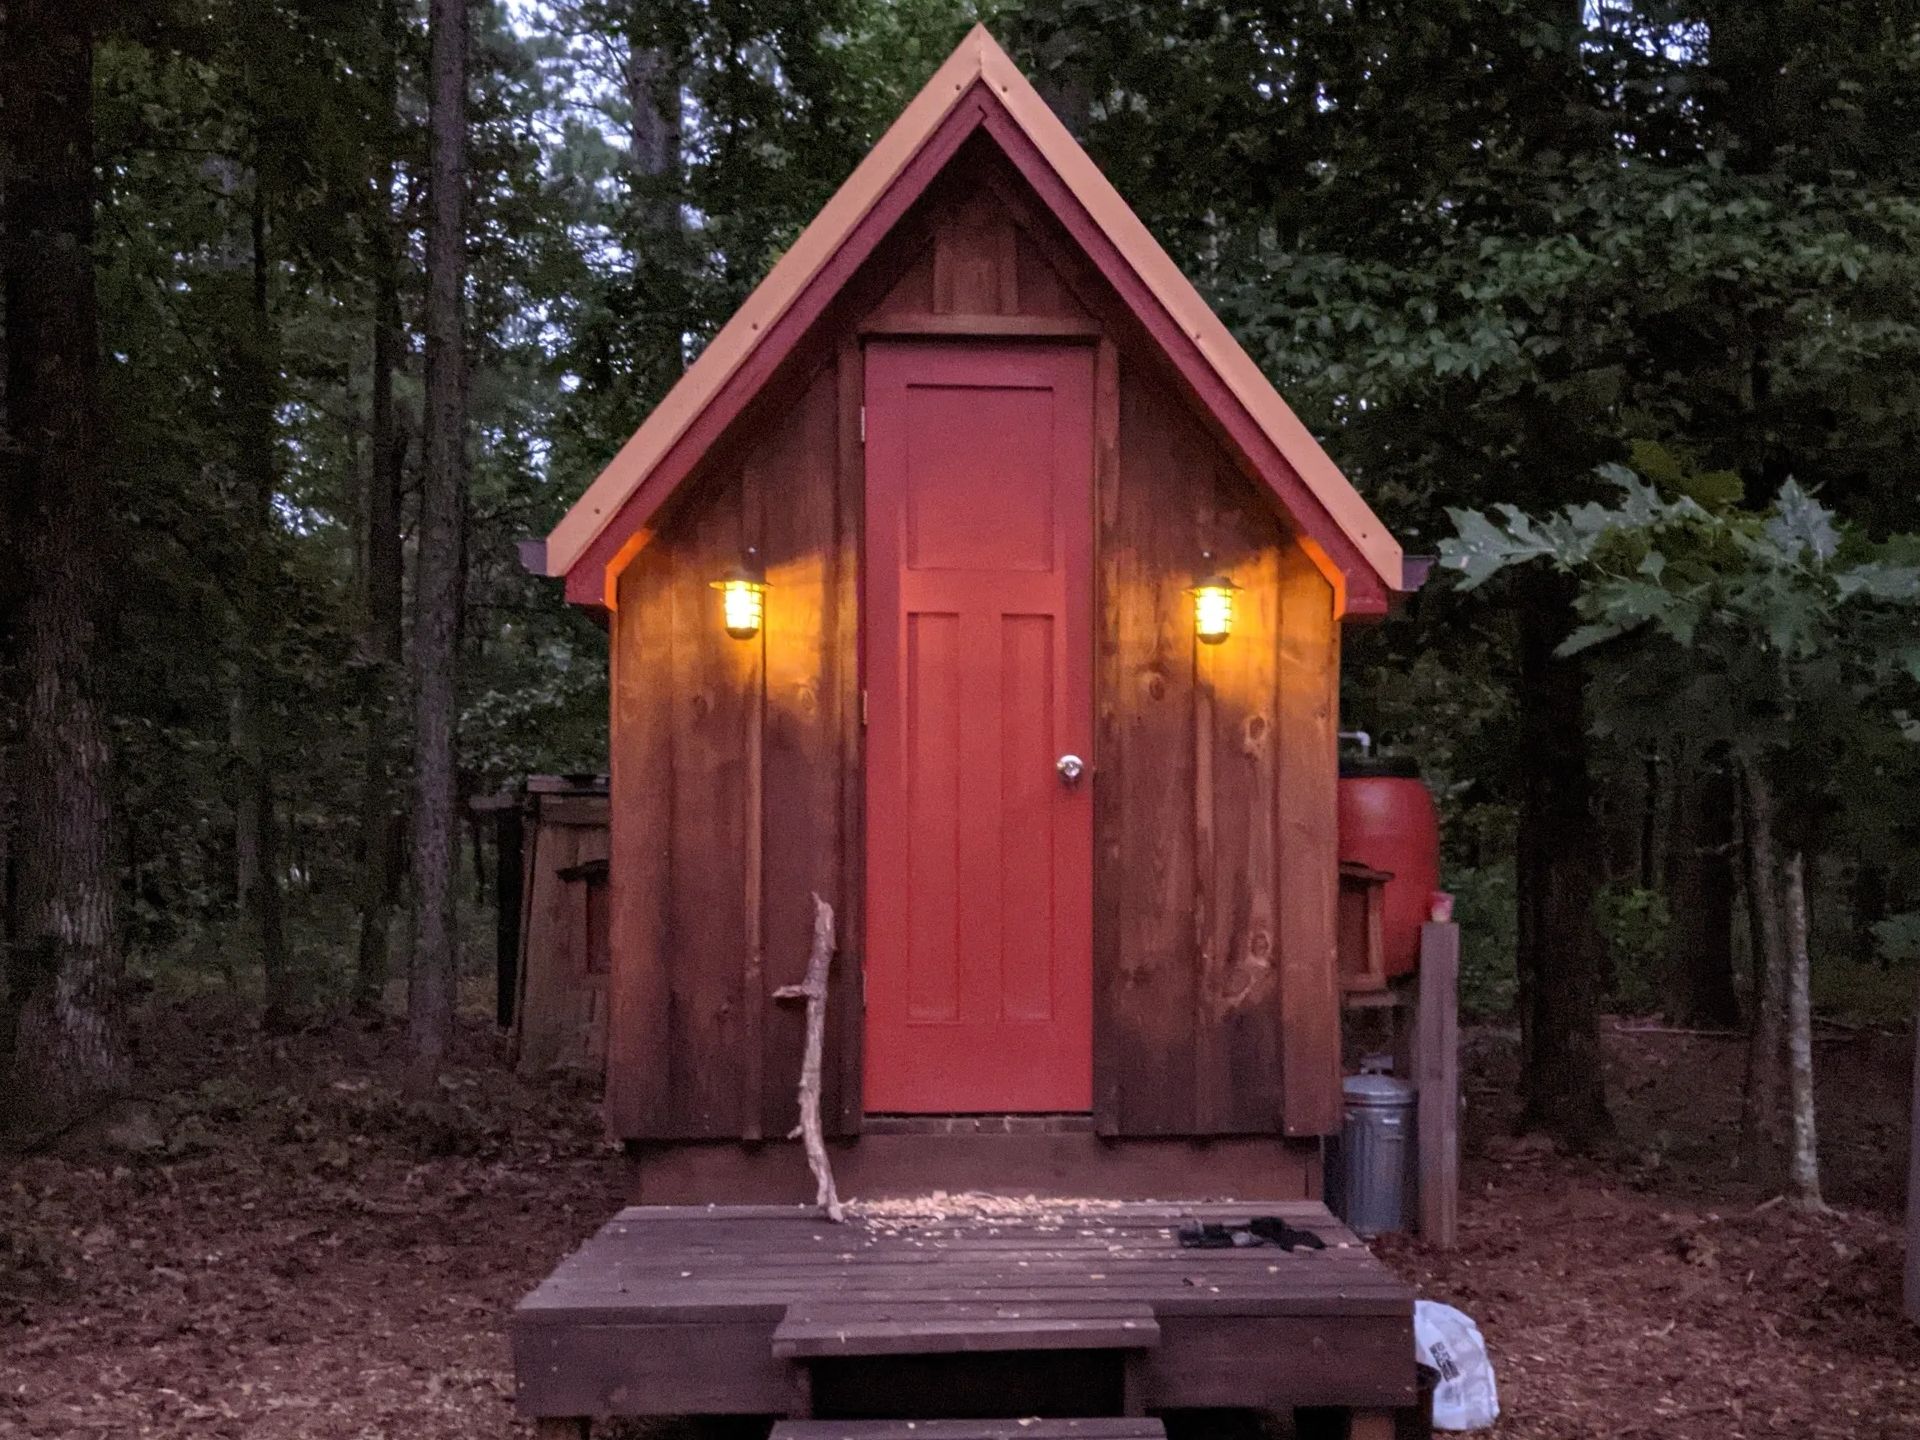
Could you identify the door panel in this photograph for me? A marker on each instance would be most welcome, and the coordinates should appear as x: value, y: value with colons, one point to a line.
x: 932, y: 684
x: 979, y: 677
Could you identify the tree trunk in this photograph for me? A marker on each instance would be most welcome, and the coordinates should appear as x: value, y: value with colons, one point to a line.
x: 1869, y: 905
x: 381, y: 616
x: 255, y: 819
x: 1647, y: 856
x: 1912, y: 1287
x: 1749, y: 43
x: 653, y: 99
x: 654, y: 154
x: 1803, y: 1155
x: 69, y: 1050
x: 1558, y: 946
x: 1760, y: 1104
x: 10, y: 992
x: 434, y: 968
x: 1067, y: 97
x: 1700, y: 894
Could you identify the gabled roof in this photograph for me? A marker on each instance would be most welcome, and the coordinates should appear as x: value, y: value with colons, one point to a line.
x: 978, y: 88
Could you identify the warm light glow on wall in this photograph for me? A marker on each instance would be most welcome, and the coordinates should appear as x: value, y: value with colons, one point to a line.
x: 1213, y: 609
x: 742, y: 601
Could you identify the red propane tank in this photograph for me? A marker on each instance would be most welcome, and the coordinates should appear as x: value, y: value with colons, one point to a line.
x: 1387, y: 822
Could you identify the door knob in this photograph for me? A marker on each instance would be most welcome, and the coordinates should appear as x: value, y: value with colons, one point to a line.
x: 1071, y: 768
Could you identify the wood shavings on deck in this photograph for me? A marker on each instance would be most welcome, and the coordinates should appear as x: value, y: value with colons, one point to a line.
x: 941, y: 1206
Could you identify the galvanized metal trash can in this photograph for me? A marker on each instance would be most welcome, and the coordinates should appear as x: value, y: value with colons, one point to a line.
x: 1376, y: 1140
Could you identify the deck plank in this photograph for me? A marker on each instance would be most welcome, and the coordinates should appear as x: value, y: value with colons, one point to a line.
x: 912, y: 1325
x: 1093, y: 1428
x: 699, y: 1309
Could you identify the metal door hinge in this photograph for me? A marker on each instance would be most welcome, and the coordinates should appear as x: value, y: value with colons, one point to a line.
x: 863, y: 709
x: 863, y: 424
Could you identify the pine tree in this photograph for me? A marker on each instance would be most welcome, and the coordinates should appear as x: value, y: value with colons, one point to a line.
x: 434, y: 972
x: 65, y: 975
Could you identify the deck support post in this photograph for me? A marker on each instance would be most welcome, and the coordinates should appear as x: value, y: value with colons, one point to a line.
x: 1133, y: 1382
x: 1370, y: 1425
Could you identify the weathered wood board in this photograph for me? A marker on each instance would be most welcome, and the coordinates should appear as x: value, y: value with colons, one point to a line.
x: 560, y: 1008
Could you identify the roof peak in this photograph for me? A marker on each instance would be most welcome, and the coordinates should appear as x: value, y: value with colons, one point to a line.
x: 594, y: 538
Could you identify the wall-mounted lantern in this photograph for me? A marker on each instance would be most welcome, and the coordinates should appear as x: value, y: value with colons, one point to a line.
x: 1213, y: 608
x: 742, y: 600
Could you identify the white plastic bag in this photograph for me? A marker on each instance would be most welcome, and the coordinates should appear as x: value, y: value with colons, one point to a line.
x: 1464, y: 1397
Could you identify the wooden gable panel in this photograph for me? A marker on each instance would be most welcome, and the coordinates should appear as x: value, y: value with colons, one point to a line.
x: 976, y: 267
x: 912, y: 293
x: 976, y: 250
x: 1043, y: 289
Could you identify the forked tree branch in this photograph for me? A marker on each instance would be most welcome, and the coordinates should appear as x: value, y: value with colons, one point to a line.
x: 814, y: 991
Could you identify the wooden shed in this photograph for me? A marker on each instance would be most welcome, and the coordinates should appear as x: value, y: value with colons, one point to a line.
x: 557, y: 905
x: 981, y: 443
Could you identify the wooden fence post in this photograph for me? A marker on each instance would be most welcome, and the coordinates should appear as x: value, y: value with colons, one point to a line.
x: 1437, y: 1077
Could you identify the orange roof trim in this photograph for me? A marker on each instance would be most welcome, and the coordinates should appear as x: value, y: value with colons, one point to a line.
x: 977, y: 61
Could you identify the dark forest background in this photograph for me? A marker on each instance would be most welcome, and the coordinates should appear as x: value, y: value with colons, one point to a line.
x: 314, y: 307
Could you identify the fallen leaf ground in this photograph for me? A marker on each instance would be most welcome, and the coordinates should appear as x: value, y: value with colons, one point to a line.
x: 283, y: 1249
x: 1649, y: 1295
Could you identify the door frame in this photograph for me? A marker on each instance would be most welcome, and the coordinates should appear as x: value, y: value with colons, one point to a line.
x: 1014, y: 332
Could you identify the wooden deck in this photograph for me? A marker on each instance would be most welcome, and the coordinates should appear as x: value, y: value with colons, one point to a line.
x: 1055, y: 1311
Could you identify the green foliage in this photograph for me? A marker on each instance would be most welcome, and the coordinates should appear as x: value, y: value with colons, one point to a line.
x: 1758, y: 630
x: 1483, y: 907
x: 1633, y: 923
x: 578, y: 321
x: 1493, y: 252
x: 1782, y: 634
x: 1680, y: 476
x: 1504, y: 246
x: 1897, y: 938
x: 1853, y: 990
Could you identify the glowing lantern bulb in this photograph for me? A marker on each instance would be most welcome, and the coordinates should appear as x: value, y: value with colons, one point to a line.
x: 1213, y: 609
x: 741, y: 603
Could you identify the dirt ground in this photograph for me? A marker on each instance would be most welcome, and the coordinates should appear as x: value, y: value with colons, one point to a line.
x: 1648, y: 1294
x: 275, y: 1246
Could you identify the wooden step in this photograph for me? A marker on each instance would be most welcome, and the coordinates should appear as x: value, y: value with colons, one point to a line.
x: 815, y: 1329
x: 1117, y: 1428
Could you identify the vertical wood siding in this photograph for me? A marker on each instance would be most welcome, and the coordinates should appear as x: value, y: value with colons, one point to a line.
x: 1215, y: 778
x: 726, y: 782
x: 1309, y: 877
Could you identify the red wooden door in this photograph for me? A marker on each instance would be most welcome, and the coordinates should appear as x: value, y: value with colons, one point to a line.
x: 979, y: 679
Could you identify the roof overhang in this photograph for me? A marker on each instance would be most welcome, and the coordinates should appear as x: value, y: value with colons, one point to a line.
x: 978, y: 89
